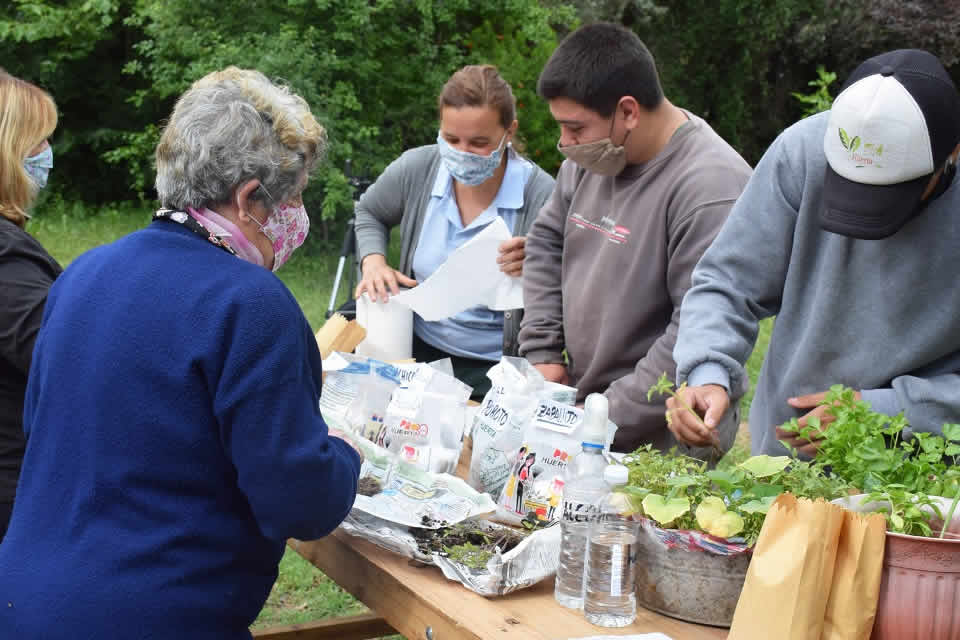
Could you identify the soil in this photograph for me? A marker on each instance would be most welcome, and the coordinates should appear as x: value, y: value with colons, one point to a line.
x: 467, y: 533
x: 369, y: 486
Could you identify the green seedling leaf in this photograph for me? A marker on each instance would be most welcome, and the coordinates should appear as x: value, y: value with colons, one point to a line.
x: 952, y: 432
x: 953, y: 449
x: 757, y: 506
x: 622, y: 503
x: 727, y: 525
x: 635, y: 492
x: 844, y: 139
x: 713, y: 517
x: 725, y: 480
x: 765, y: 490
x: 764, y: 466
x: 665, y: 511
x: 709, y: 510
x: 663, y: 386
x: 682, y: 481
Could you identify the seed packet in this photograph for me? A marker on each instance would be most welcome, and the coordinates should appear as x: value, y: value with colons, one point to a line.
x: 424, y: 428
x: 359, y: 394
x: 498, y: 423
x: 497, y: 432
x: 341, y: 399
x: 534, y: 488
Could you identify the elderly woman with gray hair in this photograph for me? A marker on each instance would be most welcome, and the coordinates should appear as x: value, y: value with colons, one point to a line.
x: 174, y: 440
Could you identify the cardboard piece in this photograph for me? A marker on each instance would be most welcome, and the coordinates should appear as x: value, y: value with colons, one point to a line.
x: 337, y: 334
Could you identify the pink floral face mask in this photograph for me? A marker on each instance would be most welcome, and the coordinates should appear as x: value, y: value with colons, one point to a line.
x: 286, y: 227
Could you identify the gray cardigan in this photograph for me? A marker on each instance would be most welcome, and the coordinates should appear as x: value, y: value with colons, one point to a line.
x: 400, y: 196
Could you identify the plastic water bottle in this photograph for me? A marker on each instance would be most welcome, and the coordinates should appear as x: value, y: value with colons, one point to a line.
x: 609, y: 598
x: 583, y: 491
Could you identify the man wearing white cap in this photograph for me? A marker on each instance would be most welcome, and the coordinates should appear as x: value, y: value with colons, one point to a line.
x: 848, y: 232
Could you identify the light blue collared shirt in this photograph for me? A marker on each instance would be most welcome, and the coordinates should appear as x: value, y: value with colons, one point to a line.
x: 478, y: 331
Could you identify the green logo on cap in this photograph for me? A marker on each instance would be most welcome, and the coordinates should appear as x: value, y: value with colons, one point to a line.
x: 871, y: 154
x: 848, y: 144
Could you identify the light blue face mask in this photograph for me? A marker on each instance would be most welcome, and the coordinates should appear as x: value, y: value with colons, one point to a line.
x: 38, y: 166
x: 469, y: 168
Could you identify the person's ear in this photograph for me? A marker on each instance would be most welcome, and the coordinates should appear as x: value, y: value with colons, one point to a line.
x: 629, y: 109
x: 242, y: 198
x: 512, y: 130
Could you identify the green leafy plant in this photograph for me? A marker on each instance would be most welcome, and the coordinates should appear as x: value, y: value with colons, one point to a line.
x: 869, y: 450
x: 678, y: 492
x: 905, y: 510
x: 714, y: 518
x: 665, y: 386
x: 819, y: 99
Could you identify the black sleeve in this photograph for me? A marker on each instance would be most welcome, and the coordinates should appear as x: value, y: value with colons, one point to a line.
x: 26, y: 273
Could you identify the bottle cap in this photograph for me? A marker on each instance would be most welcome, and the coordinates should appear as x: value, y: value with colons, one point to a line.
x: 616, y: 474
x: 595, y: 413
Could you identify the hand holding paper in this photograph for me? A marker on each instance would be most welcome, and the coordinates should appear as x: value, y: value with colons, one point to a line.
x: 471, y: 276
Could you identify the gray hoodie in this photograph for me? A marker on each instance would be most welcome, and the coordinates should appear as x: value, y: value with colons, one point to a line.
x: 876, y: 315
x: 608, y: 261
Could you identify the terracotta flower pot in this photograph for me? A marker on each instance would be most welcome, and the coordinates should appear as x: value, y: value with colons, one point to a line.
x: 920, y: 587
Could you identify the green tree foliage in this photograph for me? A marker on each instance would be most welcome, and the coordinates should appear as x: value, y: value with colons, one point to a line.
x: 371, y: 71
x: 520, y: 58
x: 76, y: 49
x: 819, y: 99
x: 733, y: 62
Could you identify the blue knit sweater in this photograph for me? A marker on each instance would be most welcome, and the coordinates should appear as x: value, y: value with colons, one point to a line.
x: 174, y: 442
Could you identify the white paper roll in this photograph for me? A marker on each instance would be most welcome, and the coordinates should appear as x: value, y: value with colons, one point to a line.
x: 389, y: 328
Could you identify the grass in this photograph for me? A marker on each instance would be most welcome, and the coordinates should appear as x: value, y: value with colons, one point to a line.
x: 69, y: 231
x: 302, y: 593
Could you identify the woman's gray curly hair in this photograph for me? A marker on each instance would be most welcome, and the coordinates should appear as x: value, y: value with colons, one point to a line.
x: 232, y: 126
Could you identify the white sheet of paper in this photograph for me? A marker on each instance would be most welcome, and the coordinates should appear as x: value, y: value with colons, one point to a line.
x: 470, y: 277
x: 334, y: 362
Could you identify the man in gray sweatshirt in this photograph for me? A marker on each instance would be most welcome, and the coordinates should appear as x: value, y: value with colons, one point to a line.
x: 644, y: 190
x: 849, y: 232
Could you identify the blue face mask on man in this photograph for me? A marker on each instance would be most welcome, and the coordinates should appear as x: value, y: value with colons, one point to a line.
x: 38, y: 166
x: 470, y: 168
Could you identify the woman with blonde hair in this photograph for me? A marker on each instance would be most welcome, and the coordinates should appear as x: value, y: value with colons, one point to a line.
x: 444, y: 194
x: 174, y: 438
x: 28, y: 117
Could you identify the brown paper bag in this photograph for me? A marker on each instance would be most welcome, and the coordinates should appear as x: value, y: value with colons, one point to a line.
x: 852, y: 605
x: 788, y: 582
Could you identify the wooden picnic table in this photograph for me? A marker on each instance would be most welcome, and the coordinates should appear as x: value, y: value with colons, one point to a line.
x: 419, y: 602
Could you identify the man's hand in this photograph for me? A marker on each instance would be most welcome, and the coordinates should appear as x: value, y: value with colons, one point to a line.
x: 710, y: 401
x: 554, y: 372
x: 511, y: 256
x: 809, y: 444
x: 380, y: 280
